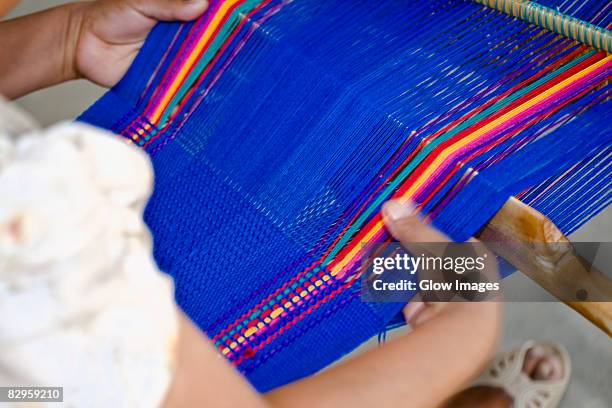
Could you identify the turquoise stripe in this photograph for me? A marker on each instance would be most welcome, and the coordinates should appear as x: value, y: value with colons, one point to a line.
x: 394, y: 184
x: 209, y: 54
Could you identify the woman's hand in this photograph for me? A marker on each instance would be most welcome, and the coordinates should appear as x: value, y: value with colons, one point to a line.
x: 423, y: 368
x: 107, y: 34
x: 96, y: 40
x: 403, y: 223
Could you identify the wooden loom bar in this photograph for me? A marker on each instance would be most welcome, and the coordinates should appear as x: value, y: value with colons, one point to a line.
x: 523, y: 237
x: 545, y: 17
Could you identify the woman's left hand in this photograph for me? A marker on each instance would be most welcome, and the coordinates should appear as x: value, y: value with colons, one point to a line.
x: 96, y: 40
x: 106, y: 35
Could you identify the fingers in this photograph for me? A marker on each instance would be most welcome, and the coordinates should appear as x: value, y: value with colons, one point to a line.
x: 169, y: 10
x: 413, y: 233
x: 431, y: 310
x: 403, y: 223
x: 413, y: 309
x: 417, y: 237
x: 417, y: 312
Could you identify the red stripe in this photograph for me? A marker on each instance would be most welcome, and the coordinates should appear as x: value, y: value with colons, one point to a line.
x: 446, y: 128
x: 209, y: 67
x: 496, y: 143
x: 432, y: 156
x: 377, y: 218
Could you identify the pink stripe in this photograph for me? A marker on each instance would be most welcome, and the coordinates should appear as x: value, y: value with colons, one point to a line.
x: 544, y: 105
x: 183, y: 54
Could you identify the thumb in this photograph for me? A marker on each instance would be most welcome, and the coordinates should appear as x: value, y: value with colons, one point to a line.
x: 416, y: 236
x: 169, y: 10
x: 402, y: 221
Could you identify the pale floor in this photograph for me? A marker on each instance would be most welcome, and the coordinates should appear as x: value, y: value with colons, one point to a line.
x: 590, y: 349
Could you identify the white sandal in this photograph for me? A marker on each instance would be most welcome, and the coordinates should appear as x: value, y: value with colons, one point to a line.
x: 506, y: 372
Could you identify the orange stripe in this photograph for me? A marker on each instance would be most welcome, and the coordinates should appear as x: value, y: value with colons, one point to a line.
x: 212, y: 27
x: 461, y: 143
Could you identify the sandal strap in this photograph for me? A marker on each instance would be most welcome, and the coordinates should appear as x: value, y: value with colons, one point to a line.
x: 506, y: 372
x: 539, y: 394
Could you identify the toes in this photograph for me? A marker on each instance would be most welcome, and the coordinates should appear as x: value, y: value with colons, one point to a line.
x: 544, y: 370
x: 532, y: 359
x: 556, y: 367
x: 544, y: 366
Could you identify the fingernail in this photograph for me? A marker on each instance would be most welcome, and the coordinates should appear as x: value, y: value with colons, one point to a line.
x: 412, y: 310
x: 395, y: 210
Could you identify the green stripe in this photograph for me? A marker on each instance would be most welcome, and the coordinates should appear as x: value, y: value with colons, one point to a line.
x: 229, y: 26
x: 435, y: 143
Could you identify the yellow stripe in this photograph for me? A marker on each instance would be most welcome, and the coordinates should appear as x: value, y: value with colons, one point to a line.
x: 276, y: 313
x: 367, y: 238
x: 192, y: 57
x: 499, y: 121
x: 468, y: 139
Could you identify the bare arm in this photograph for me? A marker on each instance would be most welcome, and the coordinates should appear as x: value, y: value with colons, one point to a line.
x: 204, y: 378
x: 420, y: 369
x: 33, y: 51
x: 448, y: 347
x: 97, y: 40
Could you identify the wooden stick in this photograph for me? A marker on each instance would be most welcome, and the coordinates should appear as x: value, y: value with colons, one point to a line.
x: 523, y: 237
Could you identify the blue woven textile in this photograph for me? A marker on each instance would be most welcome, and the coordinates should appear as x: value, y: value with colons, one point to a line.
x: 295, y: 137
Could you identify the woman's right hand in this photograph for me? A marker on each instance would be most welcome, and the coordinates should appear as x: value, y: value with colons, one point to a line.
x: 404, y: 224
